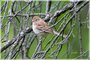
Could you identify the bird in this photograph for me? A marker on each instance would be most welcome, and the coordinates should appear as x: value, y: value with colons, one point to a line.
x: 40, y: 27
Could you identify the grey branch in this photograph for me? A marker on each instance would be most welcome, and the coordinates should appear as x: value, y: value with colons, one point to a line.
x: 18, y: 37
x: 58, y: 12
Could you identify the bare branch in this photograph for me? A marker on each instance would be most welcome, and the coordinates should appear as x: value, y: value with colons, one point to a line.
x: 18, y: 37
x: 48, y: 5
x: 64, y: 9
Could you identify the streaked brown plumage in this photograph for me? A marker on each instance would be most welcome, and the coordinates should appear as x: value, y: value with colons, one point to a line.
x: 40, y: 26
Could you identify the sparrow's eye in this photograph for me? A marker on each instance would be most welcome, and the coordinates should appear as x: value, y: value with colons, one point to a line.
x: 36, y: 19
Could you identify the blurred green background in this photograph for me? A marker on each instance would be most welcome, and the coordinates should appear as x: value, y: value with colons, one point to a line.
x: 77, y: 45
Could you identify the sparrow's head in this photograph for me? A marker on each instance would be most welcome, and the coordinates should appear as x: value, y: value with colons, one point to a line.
x: 35, y: 18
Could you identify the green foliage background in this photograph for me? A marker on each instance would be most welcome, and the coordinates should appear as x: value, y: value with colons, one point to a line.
x: 69, y: 50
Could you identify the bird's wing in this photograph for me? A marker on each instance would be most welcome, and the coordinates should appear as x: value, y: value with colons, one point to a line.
x: 43, y: 26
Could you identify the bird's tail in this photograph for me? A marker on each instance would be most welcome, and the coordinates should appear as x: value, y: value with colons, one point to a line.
x: 57, y: 33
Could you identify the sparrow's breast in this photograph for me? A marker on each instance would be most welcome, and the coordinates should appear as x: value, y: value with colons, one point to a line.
x: 36, y: 31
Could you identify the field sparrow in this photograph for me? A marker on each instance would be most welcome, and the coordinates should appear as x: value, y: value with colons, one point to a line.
x: 39, y: 26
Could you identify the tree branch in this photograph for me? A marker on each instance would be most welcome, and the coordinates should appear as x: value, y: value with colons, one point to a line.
x: 58, y: 12
x: 18, y: 37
